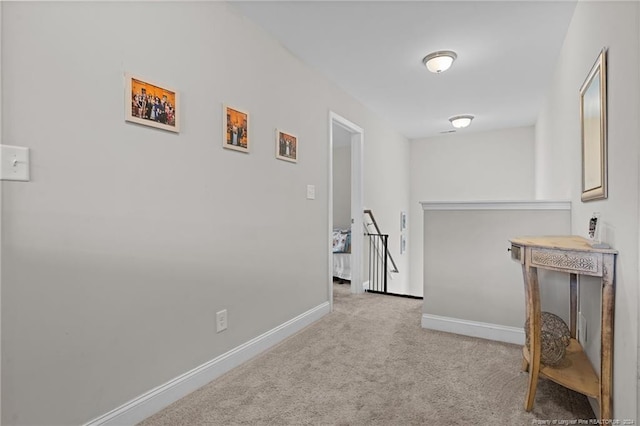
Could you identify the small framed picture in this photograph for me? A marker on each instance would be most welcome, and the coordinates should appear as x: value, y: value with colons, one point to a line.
x: 286, y: 146
x: 403, y: 244
x: 235, y: 129
x: 596, y: 231
x: 403, y: 221
x: 594, y: 228
x: 151, y: 104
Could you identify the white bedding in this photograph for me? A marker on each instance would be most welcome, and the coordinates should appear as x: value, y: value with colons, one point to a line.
x: 342, y: 265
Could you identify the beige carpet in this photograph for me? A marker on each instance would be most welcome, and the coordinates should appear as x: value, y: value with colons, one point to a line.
x: 370, y: 363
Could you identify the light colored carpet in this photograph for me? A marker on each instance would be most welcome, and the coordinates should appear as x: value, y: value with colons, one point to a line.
x: 370, y: 363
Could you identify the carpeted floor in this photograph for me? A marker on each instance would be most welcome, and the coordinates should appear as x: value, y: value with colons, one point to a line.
x: 370, y: 363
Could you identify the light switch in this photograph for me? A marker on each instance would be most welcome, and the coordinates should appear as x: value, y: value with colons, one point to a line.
x: 311, y: 192
x: 14, y: 163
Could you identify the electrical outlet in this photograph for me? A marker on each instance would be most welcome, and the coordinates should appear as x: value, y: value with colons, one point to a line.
x: 582, y: 328
x: 221, y: 321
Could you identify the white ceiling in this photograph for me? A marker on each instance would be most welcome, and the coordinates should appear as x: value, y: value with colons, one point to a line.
x: 373, y: 50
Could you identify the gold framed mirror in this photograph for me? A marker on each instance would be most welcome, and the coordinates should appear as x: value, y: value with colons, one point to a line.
x: 593, y: 122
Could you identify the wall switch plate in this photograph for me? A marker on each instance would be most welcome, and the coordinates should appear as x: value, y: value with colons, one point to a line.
x: 14, y: 163
x: 221, y: 321
x: 311, y: 192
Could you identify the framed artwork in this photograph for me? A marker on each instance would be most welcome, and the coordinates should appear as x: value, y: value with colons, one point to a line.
x: 597, y: 232
x: 235, y: 129
x: 403, y: 244
x: 286, y: 146
x: 403, y: 221
x: 593, y: 122
x: 594, y: 228
x: 151, y: 104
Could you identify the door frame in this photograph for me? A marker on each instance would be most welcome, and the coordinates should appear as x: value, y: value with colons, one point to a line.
x: 357, y: 204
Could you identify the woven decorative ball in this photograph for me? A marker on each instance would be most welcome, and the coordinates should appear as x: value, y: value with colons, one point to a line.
x: 554, y: 338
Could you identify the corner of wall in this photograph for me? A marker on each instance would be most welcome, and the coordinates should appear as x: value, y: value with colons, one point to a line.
x: 1, y: 185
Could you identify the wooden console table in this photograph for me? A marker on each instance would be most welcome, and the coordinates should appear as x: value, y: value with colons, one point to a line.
x: 576, y: 256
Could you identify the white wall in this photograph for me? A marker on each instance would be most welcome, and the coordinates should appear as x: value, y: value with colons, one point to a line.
x: 341, y: 186
x: 495, y: 165
x: 1, y: 142
x: 468, y: 273
x: 595, y: 25
x: 128, y: 239
x: 386, y: 194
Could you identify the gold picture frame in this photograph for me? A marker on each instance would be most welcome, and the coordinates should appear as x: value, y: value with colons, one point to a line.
x: 593, y: 122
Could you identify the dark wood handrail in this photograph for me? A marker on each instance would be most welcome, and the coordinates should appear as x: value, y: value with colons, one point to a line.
x: 370, y: 213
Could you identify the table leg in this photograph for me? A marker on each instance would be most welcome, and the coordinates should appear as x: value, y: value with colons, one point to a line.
x: 525, y: 363
x: 606, y: 349
x: 573, y: 291
x: 533, y: 314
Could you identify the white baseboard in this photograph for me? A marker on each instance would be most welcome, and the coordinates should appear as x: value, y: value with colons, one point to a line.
x: 160, y: 397
x: 483, y: 330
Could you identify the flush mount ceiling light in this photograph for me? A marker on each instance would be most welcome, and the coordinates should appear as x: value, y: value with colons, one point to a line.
x: 461, y: 121
x: 438, y: 62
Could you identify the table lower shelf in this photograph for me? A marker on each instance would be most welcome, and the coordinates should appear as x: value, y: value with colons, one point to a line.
x: 574, y: 372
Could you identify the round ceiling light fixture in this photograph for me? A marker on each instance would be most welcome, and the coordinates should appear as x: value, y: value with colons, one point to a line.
x: 461, y: 121
x: 438, y: 62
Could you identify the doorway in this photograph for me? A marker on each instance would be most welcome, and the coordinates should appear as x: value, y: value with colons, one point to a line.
x: 345, y: 135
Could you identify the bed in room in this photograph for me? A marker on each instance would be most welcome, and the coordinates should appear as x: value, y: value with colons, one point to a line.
x: 342, y: 254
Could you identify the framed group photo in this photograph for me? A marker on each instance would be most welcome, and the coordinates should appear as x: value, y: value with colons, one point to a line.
x: 235, y: 129
x: 151, y: 104
x: 286, y: 146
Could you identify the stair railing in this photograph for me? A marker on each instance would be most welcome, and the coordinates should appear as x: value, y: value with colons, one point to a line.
x: 381, y: 262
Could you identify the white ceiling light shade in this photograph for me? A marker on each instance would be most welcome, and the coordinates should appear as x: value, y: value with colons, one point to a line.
x: 438, y: 62
x: 461, y: 121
